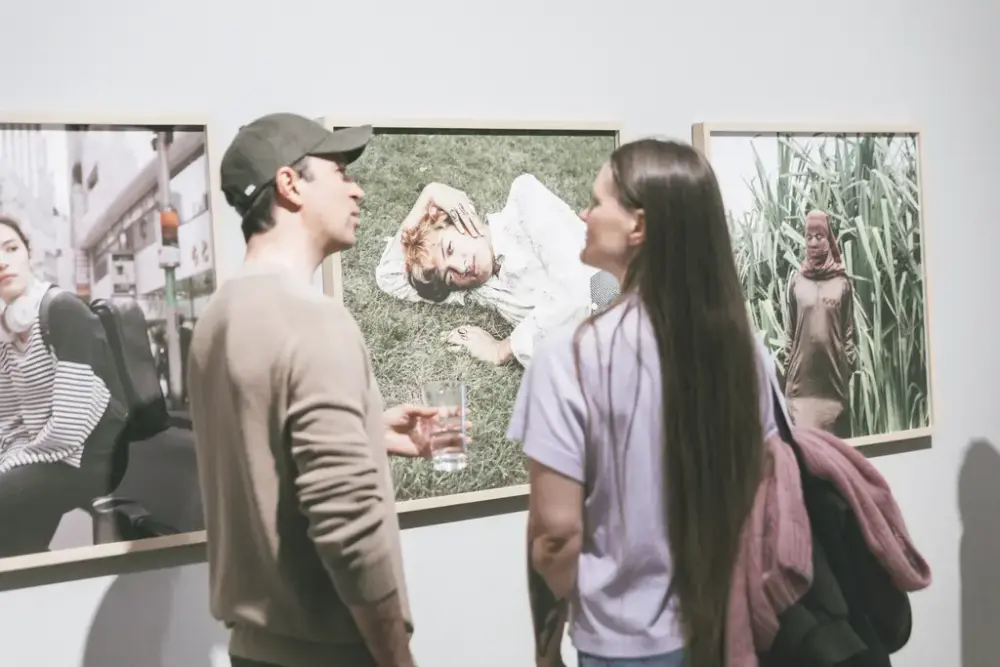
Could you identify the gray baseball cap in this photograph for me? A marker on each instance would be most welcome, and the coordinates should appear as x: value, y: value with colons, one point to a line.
x: 278, y: 140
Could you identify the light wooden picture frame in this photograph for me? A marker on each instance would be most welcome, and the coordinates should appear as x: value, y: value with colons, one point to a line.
x: 89, y: 190
x: 495, y: 163
x: 851, y: 339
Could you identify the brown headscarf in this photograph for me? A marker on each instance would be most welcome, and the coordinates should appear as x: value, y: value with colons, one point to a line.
x: 823, y: 260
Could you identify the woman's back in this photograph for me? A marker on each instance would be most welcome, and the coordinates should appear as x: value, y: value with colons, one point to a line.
x: 608, y: 384
x: 646, y: 470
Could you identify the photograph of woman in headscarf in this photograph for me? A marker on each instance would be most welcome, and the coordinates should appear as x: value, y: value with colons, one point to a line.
x: 820, y: 353
x: 827, y: 232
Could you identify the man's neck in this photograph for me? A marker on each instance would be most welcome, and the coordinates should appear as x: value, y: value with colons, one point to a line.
x: 289, y: 254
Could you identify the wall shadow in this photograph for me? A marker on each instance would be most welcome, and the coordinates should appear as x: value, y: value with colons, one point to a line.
x: 157, y: 618
x: 979, y: 554
x: 160, y: 617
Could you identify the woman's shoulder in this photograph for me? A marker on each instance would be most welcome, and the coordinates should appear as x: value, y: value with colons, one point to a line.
x: 761, y: 347
x: 767, y: 363
x: 594, y: 340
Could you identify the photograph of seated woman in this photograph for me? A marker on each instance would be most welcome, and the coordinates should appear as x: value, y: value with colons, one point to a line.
x: 59, y: 417
x: 523, y: 262
x: 820, y: 352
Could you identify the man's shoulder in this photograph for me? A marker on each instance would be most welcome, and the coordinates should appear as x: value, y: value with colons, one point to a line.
x: 312, y: 318
x: 278, y: 296
x: 322, y: 314
x: 257, y: 310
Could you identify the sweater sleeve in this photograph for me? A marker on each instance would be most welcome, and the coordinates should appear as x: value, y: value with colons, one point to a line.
x: 337, y: 482
x: 79, y: 396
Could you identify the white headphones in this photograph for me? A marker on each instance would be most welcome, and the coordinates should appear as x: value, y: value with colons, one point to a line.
x: 21, y: 313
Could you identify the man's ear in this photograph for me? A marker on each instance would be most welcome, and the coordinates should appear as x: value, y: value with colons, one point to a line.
x: 286, y: 182
x: 637, y: 235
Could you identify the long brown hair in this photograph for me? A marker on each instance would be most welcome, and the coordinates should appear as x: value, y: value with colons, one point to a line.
x: 685, y: 277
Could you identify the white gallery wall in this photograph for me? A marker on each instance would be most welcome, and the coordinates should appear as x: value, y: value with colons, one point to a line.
x: 656, y: 66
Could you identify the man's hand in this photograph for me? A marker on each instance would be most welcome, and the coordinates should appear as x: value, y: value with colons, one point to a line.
x: 458, y: 206
x: 479, y: 343
x: 409, y: 430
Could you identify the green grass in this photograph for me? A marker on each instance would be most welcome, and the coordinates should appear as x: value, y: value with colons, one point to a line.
x: 870, y: 188
x: 404, y: 338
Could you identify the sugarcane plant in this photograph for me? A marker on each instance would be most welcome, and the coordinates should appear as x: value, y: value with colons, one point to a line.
x: 868, y: 185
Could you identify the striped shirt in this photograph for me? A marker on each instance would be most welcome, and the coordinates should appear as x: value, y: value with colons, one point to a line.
x: 48, y: 407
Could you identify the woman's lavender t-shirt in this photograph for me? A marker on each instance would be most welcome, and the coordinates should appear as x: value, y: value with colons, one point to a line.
x: 619, y: 607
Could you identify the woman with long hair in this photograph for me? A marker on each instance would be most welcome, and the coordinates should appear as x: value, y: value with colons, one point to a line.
x: 644, y: 427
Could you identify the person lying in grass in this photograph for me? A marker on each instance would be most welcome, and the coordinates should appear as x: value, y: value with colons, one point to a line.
x: 522, y: 261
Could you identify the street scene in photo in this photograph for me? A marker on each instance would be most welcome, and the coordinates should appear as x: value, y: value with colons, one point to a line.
x: 827, y: 234
x: 117, y: 216
x: 438, y: 302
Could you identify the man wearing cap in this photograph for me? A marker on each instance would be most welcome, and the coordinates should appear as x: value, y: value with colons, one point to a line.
x: 303, y: 540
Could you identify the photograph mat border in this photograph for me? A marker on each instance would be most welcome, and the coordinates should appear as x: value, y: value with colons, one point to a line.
x: 332, y: 267
x: 701, y: 135
x: 102, y: 552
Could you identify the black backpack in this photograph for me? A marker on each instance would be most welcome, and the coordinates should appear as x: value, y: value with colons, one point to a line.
x: 127, y: 331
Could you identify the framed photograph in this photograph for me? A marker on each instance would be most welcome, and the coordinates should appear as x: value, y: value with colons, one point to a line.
x: 438, y: 298
x: 106, y: 261
x: 828, y: 231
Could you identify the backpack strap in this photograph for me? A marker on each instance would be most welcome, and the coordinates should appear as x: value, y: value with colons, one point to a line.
x: 43, y: 314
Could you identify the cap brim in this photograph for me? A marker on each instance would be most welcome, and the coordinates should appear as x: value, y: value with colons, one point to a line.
x: 347, y: 144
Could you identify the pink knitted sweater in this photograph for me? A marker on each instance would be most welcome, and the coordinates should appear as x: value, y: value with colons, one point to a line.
x: 774, y: 565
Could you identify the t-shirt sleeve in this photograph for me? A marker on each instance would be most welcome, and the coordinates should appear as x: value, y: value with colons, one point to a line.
x: 766, y: 379
x: 549, y: 415
x: 338, y: 484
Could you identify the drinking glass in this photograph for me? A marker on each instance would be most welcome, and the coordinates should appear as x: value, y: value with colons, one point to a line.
x: 448, y: 443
